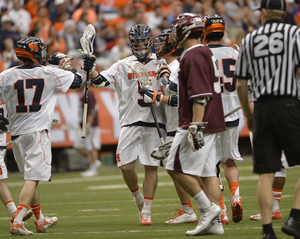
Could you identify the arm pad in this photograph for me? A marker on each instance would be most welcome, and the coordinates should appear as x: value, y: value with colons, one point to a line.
x: 202, y: 101
x: 100, y: 81
x: 77, y: 82
x: 173, y: 100
x: 173, y: 86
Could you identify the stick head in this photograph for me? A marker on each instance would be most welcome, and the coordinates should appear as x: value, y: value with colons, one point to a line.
x: 87, y: 40
x: 141, y: 72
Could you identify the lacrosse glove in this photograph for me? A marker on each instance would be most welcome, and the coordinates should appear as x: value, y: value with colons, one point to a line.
x: 152, y: 97
x: 169, y: 86
x: 195, y: 135
x: 88, y: 63
x: 161, y: 70
x: 61, y: 60
x: 3, y: 123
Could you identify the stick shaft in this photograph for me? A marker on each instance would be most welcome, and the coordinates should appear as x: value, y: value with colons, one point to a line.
x: 85, y: 105
x: 232, y: 111
x: 157, y: 125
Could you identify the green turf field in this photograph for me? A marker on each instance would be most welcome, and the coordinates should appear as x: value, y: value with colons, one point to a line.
x: 103, y: 207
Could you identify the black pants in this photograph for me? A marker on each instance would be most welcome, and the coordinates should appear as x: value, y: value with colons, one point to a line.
x: 276, y: 128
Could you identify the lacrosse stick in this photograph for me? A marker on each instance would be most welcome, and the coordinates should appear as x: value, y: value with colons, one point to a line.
x: 140, y: 70
x: 53, y: 123
x: 86, y: 42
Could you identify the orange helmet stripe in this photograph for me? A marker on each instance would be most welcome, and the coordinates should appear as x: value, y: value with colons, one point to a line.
x: 23, y: 53
x: 216, y: 27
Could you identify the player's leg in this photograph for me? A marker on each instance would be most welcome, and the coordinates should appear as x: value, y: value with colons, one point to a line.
x: 186, y: 168
x: 149, y: 187
x: 130, y: 177
x: 224, y: 214
x: 186, y: 214
x: 25, y: 198
x: 5, y: 194
x: 42, y: 222
x: 209, y: 210
x: 6, y: 197
x: 232, y: 176
x: 230, y: 154
x: 278, y: 185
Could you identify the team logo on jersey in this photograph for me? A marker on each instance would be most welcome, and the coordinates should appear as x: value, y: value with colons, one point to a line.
x: 131, y: 76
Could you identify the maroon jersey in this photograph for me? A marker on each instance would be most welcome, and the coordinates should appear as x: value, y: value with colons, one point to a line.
x: 92, y: 106
x: 197, y: 79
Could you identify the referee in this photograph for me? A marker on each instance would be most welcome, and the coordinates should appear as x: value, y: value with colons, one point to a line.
x: 270, y: 58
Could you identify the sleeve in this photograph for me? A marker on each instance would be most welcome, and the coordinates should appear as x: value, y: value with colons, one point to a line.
x: 297, y: 48
x: 110, y: 75
x: 62, y: 79
x: 200, y: 76
x: 241, y: 70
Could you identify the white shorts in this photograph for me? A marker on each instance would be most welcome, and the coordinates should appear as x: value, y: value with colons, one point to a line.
x: 229, y: 145
x: 201, y: 163
x: 33, y: 155
x: 138, y: 142
x: 3, y: 169
x: 91, y: 141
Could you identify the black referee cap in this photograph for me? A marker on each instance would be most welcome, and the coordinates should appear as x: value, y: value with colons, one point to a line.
x: 273, y: 4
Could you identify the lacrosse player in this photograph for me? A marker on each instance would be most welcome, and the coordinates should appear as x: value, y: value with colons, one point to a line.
x: 226, y: 56
x: 165, y: 47
x: 30, y: 92
x: 138, y: 136
x: 194, y: 152
x: 90, y: 145
x: 5, y: 194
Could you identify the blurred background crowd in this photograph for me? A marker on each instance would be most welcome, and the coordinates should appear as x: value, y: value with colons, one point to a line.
x: 59, y: 23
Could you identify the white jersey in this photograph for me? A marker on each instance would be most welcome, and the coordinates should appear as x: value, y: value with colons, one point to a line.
x: 226, y: 57
x: 172, y: 112
x: 132, y: 107
x: 30, y: 92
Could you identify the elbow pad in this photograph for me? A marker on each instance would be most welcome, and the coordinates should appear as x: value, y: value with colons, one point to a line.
x: 173, y: 100
x: 202, y: 101
x: 77, y: 82
x: 173, y: 86
x: 100, y: 81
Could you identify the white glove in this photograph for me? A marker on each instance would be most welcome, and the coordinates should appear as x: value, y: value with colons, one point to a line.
x: 195, y: 135
x: 152, y: 97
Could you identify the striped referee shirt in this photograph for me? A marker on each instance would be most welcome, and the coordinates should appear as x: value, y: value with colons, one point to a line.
x: 269, y: 57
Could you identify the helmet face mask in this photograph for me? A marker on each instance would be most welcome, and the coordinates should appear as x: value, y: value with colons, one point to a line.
x: 165, y: 43
x: 140, y: 41
x: 213, y: 23
x: 31, y: 49
x: 185, y: 24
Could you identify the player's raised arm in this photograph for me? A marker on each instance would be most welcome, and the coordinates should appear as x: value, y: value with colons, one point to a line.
x: 88, y: 64
x: 63, y: 61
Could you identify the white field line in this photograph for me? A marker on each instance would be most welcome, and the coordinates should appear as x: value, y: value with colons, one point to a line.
x: 116, y: 177
x: 122, y: 186
x: 143, y: 231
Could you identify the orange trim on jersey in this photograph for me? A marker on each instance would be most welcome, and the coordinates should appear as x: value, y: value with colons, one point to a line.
x: 42, y: 147
x: 57, y: 78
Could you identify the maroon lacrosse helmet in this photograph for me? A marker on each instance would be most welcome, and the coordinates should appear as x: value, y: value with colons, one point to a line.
x: 185, y: 24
